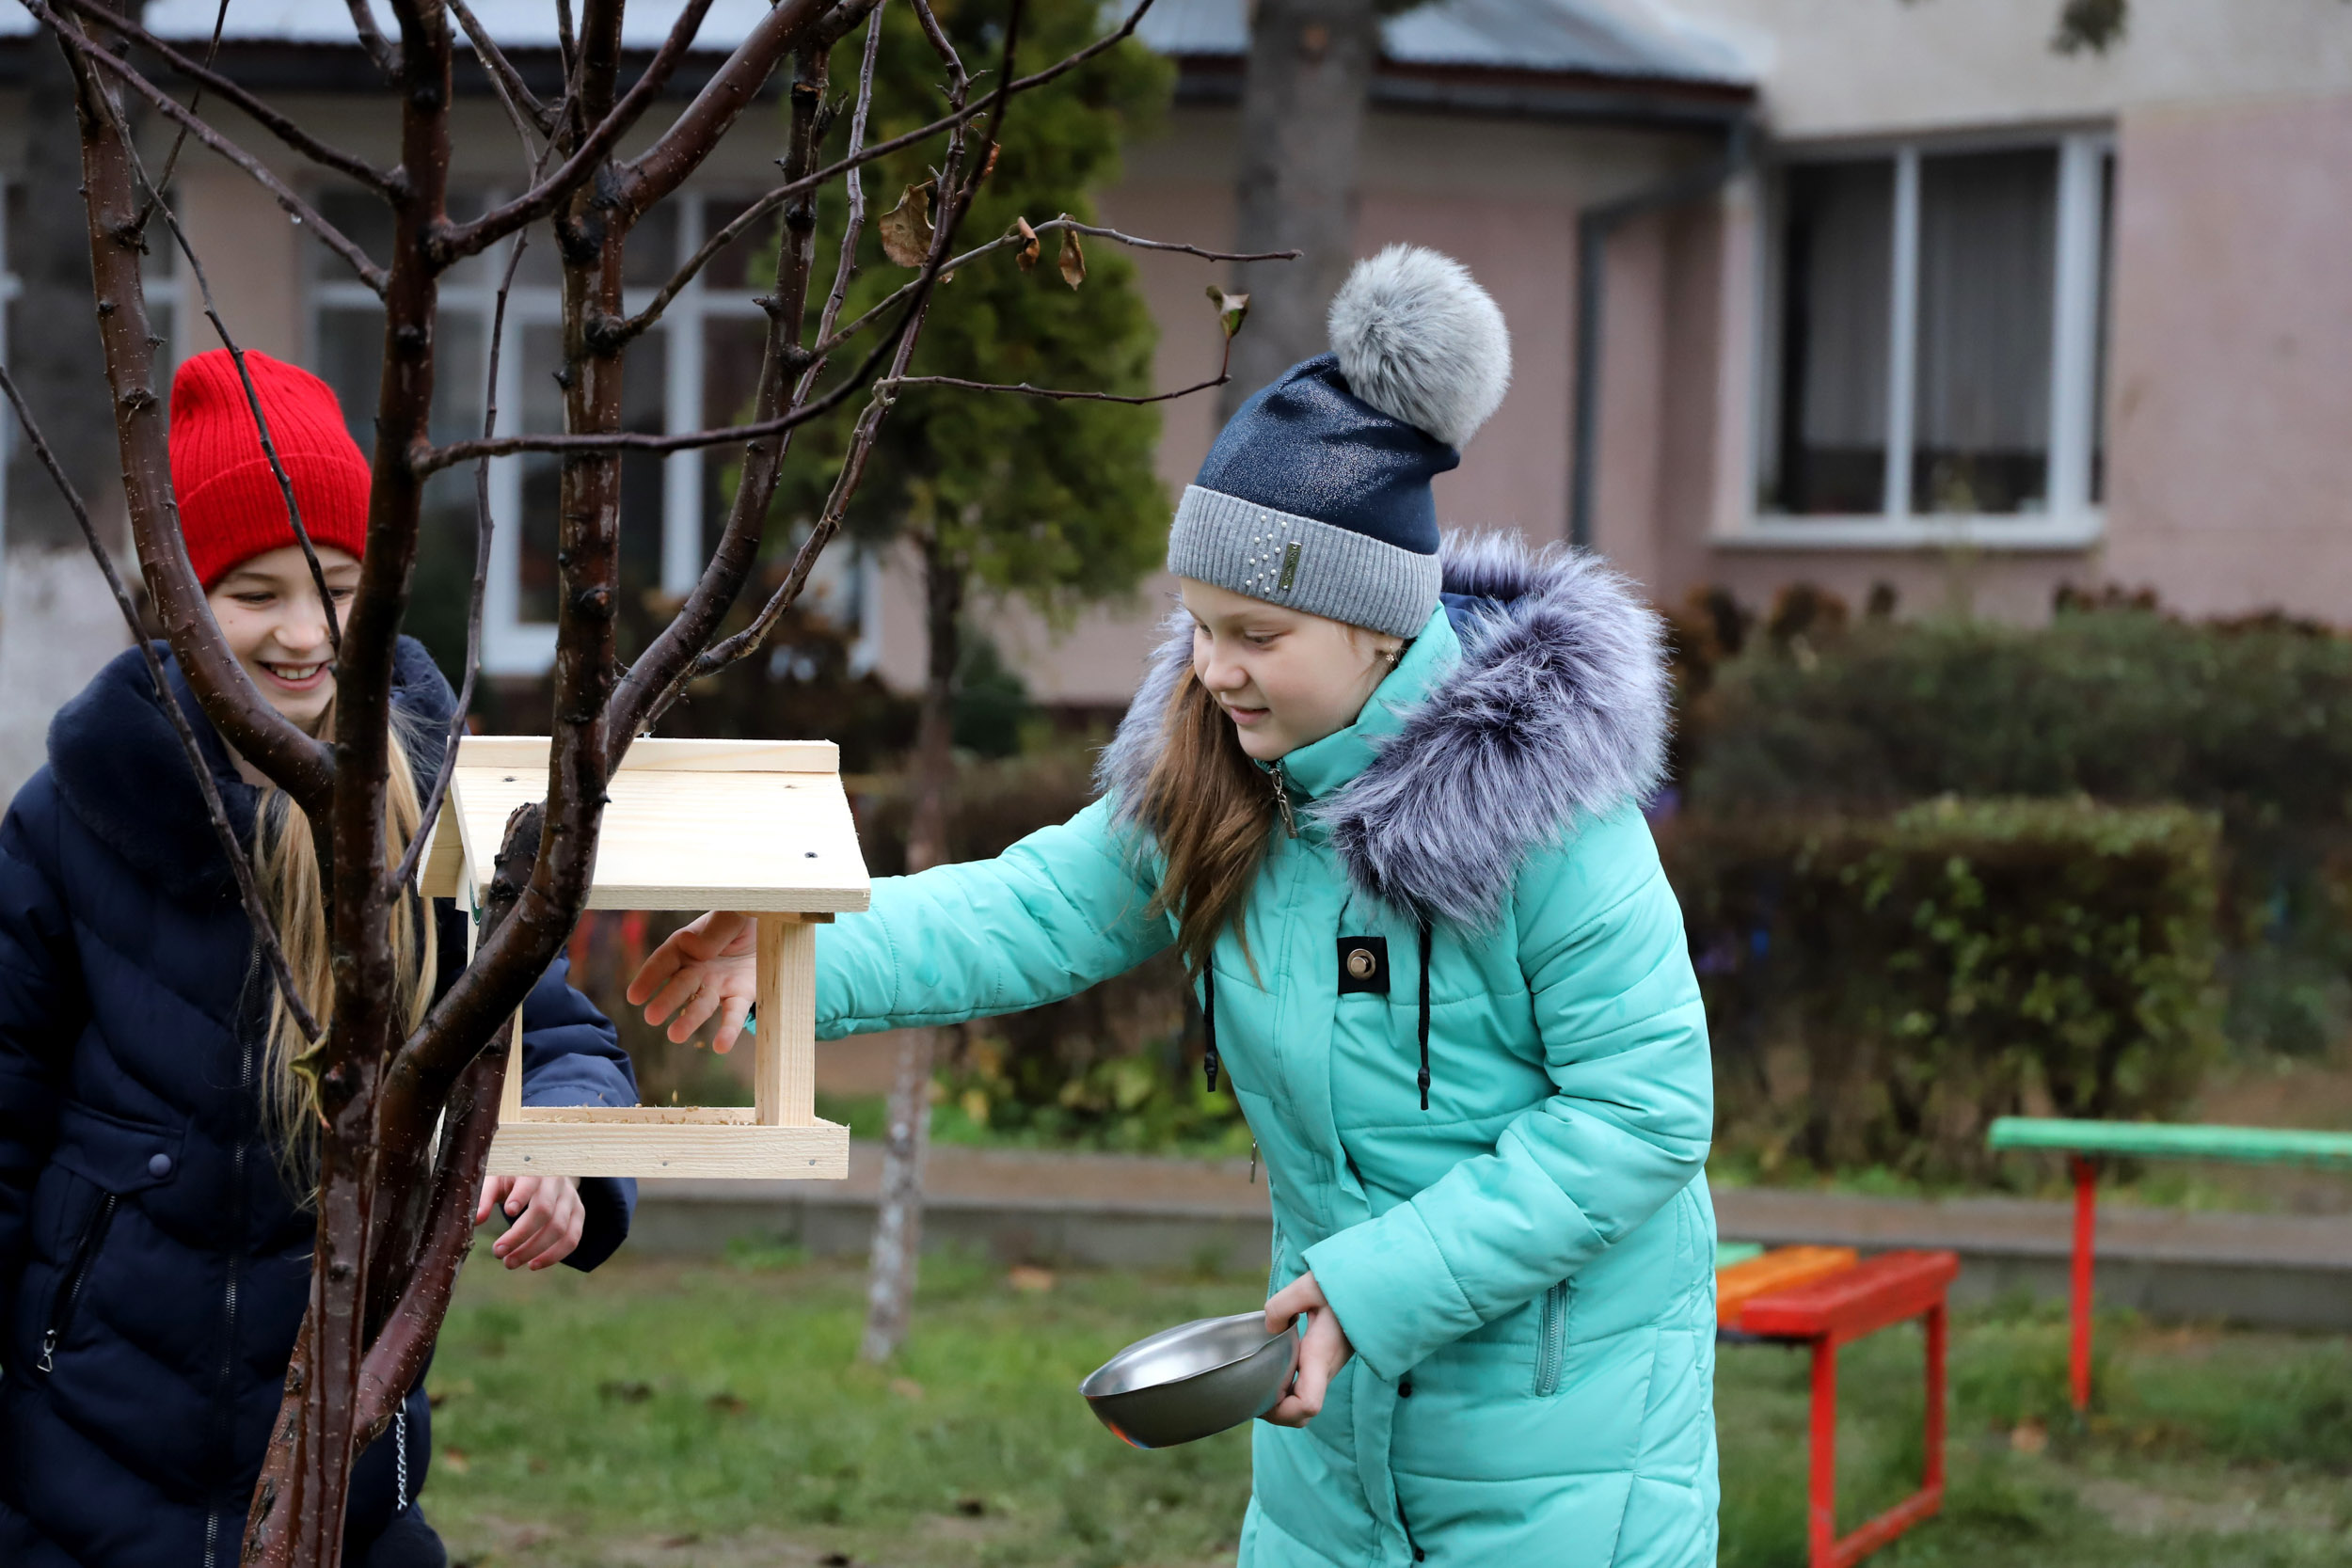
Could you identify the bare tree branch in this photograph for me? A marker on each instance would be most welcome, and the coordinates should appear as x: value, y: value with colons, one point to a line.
x: 1012, y: 238
x: 301, y: 210
x: 869, y: 428
x: 468, y: 239
x: 643, y: 686
x: 845, y: 267
x: 270, y: 120
x: 372, y: 39
x: 511, y: 87
x: 431, y: 811
x: 854, y: 159
x: 679, y: 150
x: 432, y: 460
x: 180, y: 137
x: 1056, y: 393
x: 240, y: 864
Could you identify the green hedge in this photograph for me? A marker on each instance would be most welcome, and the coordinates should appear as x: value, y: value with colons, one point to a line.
x: 2251, y: 721
x: 1879, y: 988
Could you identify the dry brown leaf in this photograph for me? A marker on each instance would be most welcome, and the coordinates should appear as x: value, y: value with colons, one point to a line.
x: 1027, y: 254
x: 453, y: 1460
x: 1029, y: 1278
x: 990, y: 167
x: 2029, y: 1436
x: 1231, y: 309
x: 906, y: 228
x: 1074, y: 261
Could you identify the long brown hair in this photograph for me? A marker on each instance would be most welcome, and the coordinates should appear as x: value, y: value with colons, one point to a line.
x: 1212, y: 810
x: 288, y: 863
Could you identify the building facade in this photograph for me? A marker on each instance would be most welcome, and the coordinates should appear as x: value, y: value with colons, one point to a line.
x: 1872, y: 293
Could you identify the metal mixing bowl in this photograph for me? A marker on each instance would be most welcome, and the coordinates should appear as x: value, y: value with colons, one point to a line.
x: 1192, y: 1380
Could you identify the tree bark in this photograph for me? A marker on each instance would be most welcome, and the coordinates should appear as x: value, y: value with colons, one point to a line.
x: 1302, y: 117
x: 898, y: 1224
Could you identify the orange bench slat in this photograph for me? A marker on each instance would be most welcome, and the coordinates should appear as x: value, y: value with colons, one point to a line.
x: 1888, y: 1289
x: 1780, y: 1269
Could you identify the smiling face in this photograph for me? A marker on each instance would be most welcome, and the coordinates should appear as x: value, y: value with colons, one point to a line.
x: 1286, y: 678
x: 269, y: 610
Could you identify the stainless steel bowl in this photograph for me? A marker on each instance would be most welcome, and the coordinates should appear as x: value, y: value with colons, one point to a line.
x: 1197, y: 1378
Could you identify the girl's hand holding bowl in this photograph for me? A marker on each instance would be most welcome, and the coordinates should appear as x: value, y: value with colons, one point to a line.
x: 1323, y: 1348
x: 706, y: 968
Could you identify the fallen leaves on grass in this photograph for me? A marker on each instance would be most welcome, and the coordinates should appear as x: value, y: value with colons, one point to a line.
x: 1029, y: 1278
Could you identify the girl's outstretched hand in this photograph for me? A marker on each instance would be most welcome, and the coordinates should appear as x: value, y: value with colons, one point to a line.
x: 545, y: 1218
x: 1323, y: 1348
x: 704, y: 968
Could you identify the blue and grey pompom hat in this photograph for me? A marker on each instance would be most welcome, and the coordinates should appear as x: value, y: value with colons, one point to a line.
x: 1316, y: 495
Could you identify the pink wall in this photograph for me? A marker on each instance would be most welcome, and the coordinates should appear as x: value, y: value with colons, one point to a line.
x: 2230, y: 393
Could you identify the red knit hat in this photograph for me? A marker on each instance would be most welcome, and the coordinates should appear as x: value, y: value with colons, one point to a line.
x: 231, y: 508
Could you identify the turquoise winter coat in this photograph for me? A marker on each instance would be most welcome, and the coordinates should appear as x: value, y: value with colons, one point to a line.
x: 1526, y: 1266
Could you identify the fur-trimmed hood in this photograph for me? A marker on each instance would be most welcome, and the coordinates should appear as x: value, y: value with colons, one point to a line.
x: 1558, y: 710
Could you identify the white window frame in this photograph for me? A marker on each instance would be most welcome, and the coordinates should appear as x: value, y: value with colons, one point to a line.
x: 2069, y: 519
x: 512, y: 646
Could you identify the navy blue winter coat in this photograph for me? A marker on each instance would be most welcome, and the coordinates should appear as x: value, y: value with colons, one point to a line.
x: 154, y: 1266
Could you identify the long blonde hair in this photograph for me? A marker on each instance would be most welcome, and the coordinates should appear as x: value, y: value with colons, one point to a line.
x: 288, y: 865
x: 1211, y: 809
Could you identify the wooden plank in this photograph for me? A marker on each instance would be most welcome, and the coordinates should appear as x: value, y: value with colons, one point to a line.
x: 817, y: 1153
x: 1777, y: 1270
x: 511, y: 1092
x: 2150, y: 1140
x: 441, y: 870
x: 1886, y: 1290
x: 681, y: 840
x: 512, y: 751
x: 622, y: 1116
x: 784, y: 1060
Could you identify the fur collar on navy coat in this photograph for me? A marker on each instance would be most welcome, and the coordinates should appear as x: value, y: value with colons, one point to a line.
x: 1559, y: 710
x: 121, y: 772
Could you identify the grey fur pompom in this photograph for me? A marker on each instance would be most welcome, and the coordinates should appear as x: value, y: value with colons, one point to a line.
x: 1419, y: 339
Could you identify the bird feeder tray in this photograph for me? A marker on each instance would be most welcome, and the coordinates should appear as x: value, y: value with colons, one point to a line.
x: 760, y: 826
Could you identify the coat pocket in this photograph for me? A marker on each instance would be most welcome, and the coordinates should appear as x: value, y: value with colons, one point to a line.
x: 69, y: 1296
x: 1551, y: 1333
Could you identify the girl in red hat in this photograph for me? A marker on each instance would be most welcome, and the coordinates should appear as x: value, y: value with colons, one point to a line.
x: 155, y: 1229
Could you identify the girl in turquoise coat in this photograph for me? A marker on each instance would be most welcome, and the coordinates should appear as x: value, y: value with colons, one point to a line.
x: 1382, y: 793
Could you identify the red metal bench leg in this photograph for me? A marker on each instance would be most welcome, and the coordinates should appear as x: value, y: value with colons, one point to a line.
x: 1821, y: 1515
x: 2086, y: 1231
x: 1938, y: 1343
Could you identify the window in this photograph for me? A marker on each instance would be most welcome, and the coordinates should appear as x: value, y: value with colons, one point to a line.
x: 696, y: 367
x: 1936, y: 338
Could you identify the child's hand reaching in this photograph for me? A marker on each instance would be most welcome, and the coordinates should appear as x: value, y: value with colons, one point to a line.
x: 704, y: 968
x: 545, y: 1216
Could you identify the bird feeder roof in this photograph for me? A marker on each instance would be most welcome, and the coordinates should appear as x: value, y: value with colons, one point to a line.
x: 753, y: 825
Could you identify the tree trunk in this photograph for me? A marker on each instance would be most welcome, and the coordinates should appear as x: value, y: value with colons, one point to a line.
x: 1302, y: 117
x: 898, y: 1223
x: 57, y: 623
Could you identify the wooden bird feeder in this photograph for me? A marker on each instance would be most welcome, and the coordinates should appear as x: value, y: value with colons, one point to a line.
x: 760, y: 826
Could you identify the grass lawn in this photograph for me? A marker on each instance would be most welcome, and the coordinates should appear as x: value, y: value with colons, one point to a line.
x: 666, y: 1415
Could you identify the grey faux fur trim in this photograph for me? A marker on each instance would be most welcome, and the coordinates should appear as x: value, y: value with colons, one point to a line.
x: 1559, y: 710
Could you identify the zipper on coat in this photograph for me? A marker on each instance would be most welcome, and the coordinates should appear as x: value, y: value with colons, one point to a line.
x: 1282, y: 800
x: 77, y: 1274
x: 1550, y: 1337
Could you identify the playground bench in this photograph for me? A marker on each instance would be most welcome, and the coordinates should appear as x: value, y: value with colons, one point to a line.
x: 2085, y: 1143
x: 1824, y: 1298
